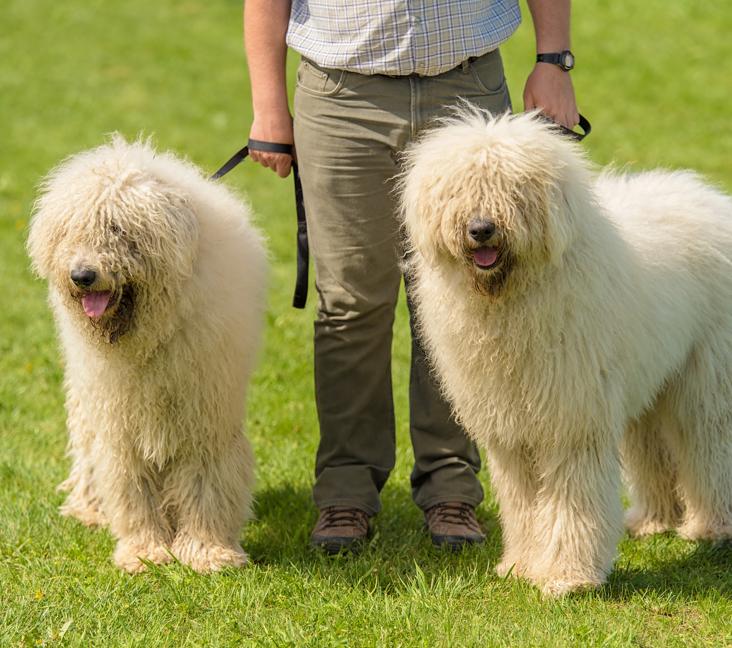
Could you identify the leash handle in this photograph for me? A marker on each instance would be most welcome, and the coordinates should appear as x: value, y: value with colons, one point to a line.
x: 583, y: 123
x: 271, y: 147
x: 253, y: 145
x: 303, y: 251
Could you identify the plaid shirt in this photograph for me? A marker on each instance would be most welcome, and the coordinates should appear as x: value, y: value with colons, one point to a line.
x: 425, y: 37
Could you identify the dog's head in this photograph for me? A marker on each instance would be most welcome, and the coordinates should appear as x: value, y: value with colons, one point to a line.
x: 494, y: 197
x: 114, y: 240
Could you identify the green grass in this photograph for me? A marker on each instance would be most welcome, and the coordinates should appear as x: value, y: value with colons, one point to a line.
x: 654, y: 79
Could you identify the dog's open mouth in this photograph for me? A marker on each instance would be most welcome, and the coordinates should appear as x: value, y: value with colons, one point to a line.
x: 95, y: 304
x: 109, y: 311
x: 485, y: 257
x: 489, y: 267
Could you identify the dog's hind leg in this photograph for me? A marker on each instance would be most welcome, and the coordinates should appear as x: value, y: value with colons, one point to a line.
x: 702, y: 444
x: 211, y: 494
x: 651, y: 473
x: 515, y: 486
x: 578, y: 518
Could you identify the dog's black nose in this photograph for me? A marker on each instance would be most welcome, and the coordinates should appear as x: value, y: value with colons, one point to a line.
x: 83, y: 277
x: 481, y: 230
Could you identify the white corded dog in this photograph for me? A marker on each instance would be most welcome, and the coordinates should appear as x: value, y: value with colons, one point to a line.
x: 574, y: 318
x: 157, y: 284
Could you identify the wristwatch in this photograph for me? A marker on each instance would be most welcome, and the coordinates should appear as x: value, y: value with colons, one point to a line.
x: 564, y: 60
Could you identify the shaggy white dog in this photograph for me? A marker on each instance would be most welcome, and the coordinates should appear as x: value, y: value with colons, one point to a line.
x: 574, y: 318
x: 156, y: 280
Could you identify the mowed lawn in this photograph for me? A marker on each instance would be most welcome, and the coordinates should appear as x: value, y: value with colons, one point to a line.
x: 653, y: 77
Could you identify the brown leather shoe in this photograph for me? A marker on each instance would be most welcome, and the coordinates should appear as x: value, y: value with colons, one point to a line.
x: 340, y: 528
x: 453, y: 525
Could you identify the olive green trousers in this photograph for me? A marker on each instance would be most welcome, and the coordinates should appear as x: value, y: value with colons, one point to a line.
x: 349, y: 130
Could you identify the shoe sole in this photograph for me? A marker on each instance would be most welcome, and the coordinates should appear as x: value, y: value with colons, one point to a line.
x: 335, y: 546
x: 455, y: 543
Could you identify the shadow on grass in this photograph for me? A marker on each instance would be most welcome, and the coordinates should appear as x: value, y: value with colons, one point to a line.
x: 400, y: 551
x: 398, y: 548
x: 704, y: 567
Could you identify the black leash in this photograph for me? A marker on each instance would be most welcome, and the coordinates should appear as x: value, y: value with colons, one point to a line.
x: 303, y: 256
x: 583, y: 123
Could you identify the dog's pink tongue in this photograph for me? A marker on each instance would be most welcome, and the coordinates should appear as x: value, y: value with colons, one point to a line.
x: 95, y: 303
x: 485, y: 256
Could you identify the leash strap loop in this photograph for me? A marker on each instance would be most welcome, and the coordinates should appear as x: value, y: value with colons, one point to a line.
x: 583, y: 123
x: 270, y: 147
x: 303, y: 251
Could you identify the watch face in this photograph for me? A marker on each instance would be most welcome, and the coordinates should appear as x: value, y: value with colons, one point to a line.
x: 567, y: 60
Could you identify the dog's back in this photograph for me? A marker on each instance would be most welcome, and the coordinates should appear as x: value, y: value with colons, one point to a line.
x: 676, y: 207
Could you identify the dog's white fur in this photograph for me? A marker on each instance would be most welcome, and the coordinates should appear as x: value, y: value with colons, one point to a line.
x: 606, y: 331
x: 156, y: 386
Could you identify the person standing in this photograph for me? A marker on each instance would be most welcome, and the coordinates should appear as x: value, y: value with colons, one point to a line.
x: 373, y: 74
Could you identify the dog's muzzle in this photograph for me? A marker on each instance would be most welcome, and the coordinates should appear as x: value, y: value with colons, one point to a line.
x: 481, y: 230
x: 83, y: 277
x: 482, y: 243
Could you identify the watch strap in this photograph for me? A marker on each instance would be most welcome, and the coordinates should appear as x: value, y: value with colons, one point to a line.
x: 557, y: 58
x: 551, y: 57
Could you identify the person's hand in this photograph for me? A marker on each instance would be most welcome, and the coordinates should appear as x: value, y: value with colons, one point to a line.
x: 273, y: 127
x: 549, y: 88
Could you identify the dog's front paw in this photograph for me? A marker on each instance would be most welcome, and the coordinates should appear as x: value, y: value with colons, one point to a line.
x: 557, y: 583
x: 695, y: 528
x: 638, y: 524
x: 207, y: 557
x: 509, y: 567
x: 130, y: 554
x: 556, y: 588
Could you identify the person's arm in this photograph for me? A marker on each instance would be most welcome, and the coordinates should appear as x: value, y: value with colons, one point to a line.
x: 548, y: 87
x: 265, y: 28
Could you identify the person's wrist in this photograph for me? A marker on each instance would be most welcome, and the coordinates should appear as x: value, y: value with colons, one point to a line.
x: 273, y: 109
x: 272, y: 120
x: 550, y: 69
x: 552, y: 45
x: 270, y: 100
x: 563, y: 60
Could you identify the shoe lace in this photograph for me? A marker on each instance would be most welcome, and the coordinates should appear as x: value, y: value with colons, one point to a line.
x: 345, y: 517
x: 453, y: 513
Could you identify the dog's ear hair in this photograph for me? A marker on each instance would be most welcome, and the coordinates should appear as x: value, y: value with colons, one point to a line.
x: 420, y: 195
x: 419, y: 233
x: 173, y: 239
x: 569, y: 202
x: 559, y: 224
x: 44, y: 235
